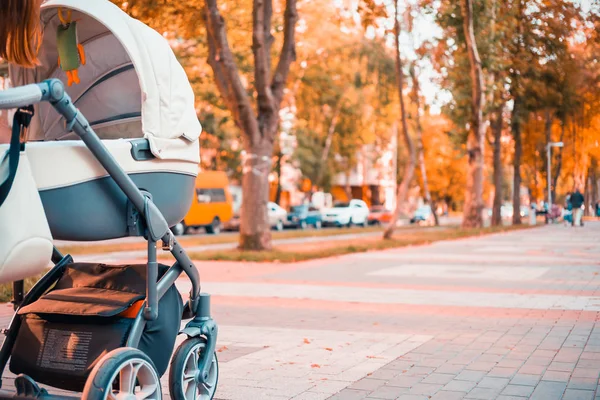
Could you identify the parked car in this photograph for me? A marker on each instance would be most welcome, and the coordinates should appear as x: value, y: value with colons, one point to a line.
x: 354, y: 212
x: 379, y: 215
x: 506, y: 211
x: 423, y: 216
x: 211, y: 206
x: 277, y: 216
x: 304, y: 216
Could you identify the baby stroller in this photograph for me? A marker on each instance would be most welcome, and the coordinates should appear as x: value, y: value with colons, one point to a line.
x: 128, y: 169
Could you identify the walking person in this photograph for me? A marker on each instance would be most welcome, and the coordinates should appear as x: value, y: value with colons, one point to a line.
x: 577, y: 202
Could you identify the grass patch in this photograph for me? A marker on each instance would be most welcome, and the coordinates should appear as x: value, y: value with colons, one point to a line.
x: 189, y: 241
x: 324, y: 249
x: 6, y: 289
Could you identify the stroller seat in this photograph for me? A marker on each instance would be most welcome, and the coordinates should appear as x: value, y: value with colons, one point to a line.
x: 83, y: 203
x: 137, y: 98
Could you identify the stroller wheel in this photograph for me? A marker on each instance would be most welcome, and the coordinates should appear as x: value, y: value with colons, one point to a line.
x: 185, y: 369
x: 124, y: 373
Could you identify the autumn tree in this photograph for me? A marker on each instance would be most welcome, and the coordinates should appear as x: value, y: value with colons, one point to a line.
x: 248, y: 84
x: 464, y: 61
x: 409, y: 168
x: 474, y: 198
x: 259, y: 125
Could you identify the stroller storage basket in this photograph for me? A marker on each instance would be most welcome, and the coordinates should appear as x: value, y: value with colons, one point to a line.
x: 88, y: 313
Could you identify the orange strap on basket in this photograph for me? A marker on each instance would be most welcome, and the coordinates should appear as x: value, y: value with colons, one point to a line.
x: 132, y: 311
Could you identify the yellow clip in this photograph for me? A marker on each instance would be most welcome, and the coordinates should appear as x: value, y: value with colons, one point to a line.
x: 63, y: 20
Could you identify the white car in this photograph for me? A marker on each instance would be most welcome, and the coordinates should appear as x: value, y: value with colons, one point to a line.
x: 277, y: 216
x: 423, y: 216
x: 350, y: 213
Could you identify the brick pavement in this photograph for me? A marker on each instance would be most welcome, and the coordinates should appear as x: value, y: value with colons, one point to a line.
x: 507, y: 316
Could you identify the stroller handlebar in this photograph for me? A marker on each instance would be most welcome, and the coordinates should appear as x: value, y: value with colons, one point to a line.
x: 22, y: 96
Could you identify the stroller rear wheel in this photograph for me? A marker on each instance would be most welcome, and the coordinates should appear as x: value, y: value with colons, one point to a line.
x: 124, y: 373
x: 184, y: 375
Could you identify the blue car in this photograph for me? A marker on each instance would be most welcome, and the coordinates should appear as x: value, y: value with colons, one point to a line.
x: 304, y: 216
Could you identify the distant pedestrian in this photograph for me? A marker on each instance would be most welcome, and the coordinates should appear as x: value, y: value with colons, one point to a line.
x: 568, y: 213
x: 577, y: 203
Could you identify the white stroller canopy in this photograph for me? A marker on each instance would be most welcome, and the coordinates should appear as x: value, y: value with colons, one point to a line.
x: 131, y: 85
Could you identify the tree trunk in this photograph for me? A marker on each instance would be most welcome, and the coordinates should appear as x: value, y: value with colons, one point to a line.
x: 588, y: 191
x: 472, y: 217
x: 258, y: 127
x: 558, y: 168
x: 593, y: 185
x: 328, y: 141
x: 255, y: 232
x: 409, y: 170
x: 421, y: 146
x: 278, y: 172
x: 347, y: 187
x: 548, y: 129
x: 498, y: 176
x: 516, y: 131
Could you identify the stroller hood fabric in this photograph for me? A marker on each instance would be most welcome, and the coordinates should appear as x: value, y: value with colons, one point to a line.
x: 131, y: 85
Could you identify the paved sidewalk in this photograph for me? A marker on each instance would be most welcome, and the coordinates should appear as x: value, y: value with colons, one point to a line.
x: 506, y: 316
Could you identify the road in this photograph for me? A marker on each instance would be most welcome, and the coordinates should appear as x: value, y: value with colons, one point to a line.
x: 504, y: 316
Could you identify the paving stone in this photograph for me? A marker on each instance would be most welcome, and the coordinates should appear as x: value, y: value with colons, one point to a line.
x: 518, y: 390
x: 481, y: 366
x: 367, y: 384
x: 350, y: 394
x: 583, y: 383
x: 438, y: 378
x: 548, y: 391
x: 524, y: 379
x: 532, y: 369
x: 576, y: 394
x: 556, y: 376
x: 493, y: 383
x: 413, y: 397
x: 502, y: 372
x: 388, y: 392
x: 405, y: 381
x: 482, y: 393
x: 446, y: 395
x: 586, y: 373
x: 428, y: 389
x: 460, y: 386
x: 472, y: 376
x: 449, y: 368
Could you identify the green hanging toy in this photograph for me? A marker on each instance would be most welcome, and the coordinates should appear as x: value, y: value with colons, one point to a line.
x: 70, y: 53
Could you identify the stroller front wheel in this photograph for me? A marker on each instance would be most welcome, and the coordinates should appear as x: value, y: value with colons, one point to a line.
x: 124, y: 373
x: 184, y: 379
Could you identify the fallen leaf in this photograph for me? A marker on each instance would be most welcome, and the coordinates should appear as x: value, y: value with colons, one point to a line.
x: 222, y: 349
x: 315, y: 366
x: 306, y: 341
x: 328, y: 349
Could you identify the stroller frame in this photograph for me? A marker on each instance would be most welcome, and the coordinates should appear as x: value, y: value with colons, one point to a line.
x: 148, y: 220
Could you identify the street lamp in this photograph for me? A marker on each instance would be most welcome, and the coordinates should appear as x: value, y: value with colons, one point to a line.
x: 549, y: 147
